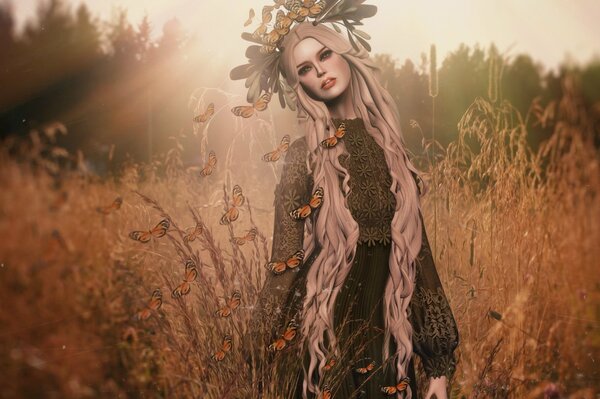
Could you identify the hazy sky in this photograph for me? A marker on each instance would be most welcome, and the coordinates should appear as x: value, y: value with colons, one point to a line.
x: 548, y: 30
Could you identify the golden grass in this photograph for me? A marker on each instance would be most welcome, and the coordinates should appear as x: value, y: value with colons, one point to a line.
x: 515, y: 234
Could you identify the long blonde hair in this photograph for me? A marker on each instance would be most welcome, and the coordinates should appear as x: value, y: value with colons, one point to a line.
x: 334, y: 234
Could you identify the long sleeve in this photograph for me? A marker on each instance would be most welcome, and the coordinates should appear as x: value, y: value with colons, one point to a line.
x: 435, y: 334
x: 292, y: 190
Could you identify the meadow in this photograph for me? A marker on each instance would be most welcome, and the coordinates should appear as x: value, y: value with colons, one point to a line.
x: 515, y: 235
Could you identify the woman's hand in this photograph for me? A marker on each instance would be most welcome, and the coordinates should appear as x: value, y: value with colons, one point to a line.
x: 437, y: 388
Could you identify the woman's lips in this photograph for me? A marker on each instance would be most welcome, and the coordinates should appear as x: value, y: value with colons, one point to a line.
x: 328, y: 83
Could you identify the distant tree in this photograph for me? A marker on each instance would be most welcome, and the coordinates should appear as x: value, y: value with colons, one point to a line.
x: 521, y: 82
x: 123, y: 44
x: 462, y: 77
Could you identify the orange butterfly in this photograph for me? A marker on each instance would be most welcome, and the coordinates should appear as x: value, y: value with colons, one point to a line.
x: 250, y: 17
x: 232, y: 304
x: 232, y: 213
x: 193, y: 233
x: 274, y: 155
x: 283, y: 23
x: 330, y: 363
x: 365, y: 370
x: 325, y: 393
x: 401, y: 386
x: 246, y: 111
x: 250, y: 236
x: 158, y: 231
x: 288, y: 335
x: 116, y: 204
x: 305, y: 210
x: 210, y: 165
x: 154, y: 304
x: 293, y: 262
x: 333, y: 140
x: 225, y: 347
x: 203, y: 117
x: 190, y: 275
x: 266, y: 18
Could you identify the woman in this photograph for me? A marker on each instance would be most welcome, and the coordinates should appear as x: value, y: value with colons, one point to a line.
x: 368, y: 294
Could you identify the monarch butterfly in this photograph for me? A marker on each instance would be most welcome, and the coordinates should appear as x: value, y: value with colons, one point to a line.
x: 288, y: 335
x: 158, y: 231
x: 232, y: 213
x: 225, y: 347
x: 116, y: 204
x: 210, y: 165
x: 250, y: 17
x: 274, y: 155
x: 305, y: 210
x: 246, y: 111
x: 293, y: 262
x: 282, y: 23
x: 330, y: 363
x: 154, y: 304
x: 399, y: 387
x: 365, y: 370
x: 203, y: 117
x: 250, y: 236
x: 333, y: 140
x: 190, y: 275
x: 193, y: 233
x: 232, y: 304
x: 325, y: 393
x: 266, y: 18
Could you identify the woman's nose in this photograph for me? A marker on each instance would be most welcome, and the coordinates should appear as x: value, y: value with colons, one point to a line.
x: 320, y: 70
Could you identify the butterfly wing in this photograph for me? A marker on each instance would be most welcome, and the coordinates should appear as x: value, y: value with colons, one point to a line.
x: 141, y: 236
x: 276, y: 267
x: 250, y: 17
x: 263, y: 100
x: 155, y: 300
x: 161, y: 228
x: 341, y: 131
x: 272, y: 156
x: 329, y: 142
x: 295, y: 260
x: 230, y: 216
x: 317, y: 198
x: 245, y: 111
x: 301, y: 213
x: 238, y: 240
x: 290, y: 330
x: 182, y: 289
x: 238, y: 197
x: 236, y: 299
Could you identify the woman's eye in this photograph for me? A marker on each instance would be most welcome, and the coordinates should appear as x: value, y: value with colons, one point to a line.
x: 325, y: 54
x: 303, y: 70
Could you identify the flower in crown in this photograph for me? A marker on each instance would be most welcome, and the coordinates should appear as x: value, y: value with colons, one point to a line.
x: 262, y: 70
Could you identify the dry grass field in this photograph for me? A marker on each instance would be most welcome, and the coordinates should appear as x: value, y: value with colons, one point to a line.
x: 515, y: 234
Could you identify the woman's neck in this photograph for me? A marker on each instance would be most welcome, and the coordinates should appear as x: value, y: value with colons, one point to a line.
x: 342, y: 107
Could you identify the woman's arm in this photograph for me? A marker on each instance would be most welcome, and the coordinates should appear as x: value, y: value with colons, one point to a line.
x: 292, y: 190
x: 435, y: 334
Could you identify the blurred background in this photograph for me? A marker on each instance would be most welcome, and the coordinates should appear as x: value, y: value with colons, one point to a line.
x: 129, y: 74
x: 500, y: 110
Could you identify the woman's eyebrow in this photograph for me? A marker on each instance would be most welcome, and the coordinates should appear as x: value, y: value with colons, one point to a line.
x: 318, y: 52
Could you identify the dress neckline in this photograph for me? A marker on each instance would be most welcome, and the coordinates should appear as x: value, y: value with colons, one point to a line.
x: 353, y: 123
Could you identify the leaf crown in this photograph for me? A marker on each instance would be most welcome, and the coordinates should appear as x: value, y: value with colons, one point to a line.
x: 262, y: 70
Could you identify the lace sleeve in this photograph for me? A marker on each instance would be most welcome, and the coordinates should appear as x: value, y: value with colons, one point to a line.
x: 435, y: 334
x: 292, y: 190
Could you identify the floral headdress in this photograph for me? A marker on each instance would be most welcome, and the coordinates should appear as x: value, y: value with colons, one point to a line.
x: 262, y: 70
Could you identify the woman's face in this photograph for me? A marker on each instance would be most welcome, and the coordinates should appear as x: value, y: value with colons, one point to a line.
x: 323, y: 74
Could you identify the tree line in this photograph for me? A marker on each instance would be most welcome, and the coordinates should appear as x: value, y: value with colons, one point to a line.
x: 112, y: 83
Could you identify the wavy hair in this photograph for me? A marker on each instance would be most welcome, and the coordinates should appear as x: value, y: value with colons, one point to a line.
x: 333, y: 235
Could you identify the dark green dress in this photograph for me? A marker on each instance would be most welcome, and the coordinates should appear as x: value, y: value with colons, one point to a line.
x: 358, y: 315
